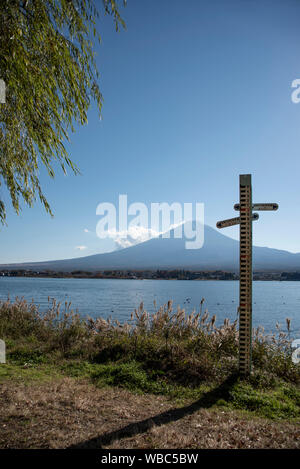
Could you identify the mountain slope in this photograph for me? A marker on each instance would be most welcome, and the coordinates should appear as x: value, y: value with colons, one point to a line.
x: 218, y: 253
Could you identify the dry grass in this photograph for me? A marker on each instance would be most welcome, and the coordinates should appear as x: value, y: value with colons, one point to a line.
x: 185, y: 348
x: 67, y: 412
x: 208, y: 429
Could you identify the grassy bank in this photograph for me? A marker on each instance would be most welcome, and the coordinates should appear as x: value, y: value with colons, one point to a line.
x: 181, y: 359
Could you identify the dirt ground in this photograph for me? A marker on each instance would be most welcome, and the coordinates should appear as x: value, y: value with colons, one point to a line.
x: 68, y: 413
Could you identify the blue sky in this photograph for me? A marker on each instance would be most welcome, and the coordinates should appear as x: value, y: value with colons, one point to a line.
x: 195, y: 93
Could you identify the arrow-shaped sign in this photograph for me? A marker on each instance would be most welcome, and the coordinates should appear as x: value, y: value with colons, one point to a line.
x: 234, y: 221
x: 259, y: 207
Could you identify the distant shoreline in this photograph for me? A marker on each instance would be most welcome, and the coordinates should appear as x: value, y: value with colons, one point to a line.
x: 219, y: 275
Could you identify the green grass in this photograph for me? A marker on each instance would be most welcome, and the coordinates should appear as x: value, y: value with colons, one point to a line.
x: 282, y: 402
x: 29, y: 374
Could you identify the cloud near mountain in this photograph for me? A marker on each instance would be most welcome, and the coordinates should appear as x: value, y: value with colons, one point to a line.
x: 135, y: 235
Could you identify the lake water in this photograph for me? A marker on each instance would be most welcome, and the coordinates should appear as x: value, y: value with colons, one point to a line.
x: 272, y: 301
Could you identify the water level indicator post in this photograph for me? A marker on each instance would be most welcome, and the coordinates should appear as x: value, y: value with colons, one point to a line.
x: 245, y: 219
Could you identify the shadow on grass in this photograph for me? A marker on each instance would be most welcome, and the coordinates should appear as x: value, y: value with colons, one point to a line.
x: 172, y: 415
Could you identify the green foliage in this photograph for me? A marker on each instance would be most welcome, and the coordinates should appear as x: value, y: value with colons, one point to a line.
x: 77, y: 369
x: 47, y: 62
x: 280, y: 403
x: 26, y: 355
x: 128, y: 375
x: 135, y: 377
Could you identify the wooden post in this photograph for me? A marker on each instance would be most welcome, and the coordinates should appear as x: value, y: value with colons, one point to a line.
x: 245, y: 310
x: 245, y: 219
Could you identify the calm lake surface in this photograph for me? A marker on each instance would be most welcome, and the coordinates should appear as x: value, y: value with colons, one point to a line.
x: 272, y: 301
